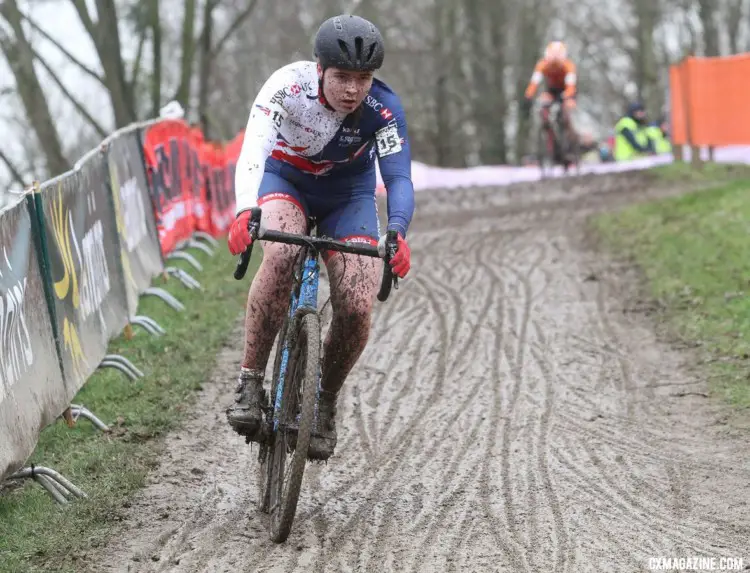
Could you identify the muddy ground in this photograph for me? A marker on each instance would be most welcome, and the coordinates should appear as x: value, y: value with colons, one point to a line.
x: 509, y: 414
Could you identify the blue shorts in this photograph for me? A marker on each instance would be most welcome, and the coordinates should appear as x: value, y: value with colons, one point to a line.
x: 344, y: 206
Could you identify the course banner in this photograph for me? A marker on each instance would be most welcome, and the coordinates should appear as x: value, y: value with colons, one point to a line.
x: 84, y: 265
x: 165, y: 146
x: 136, y: 224
x: 32, y: 393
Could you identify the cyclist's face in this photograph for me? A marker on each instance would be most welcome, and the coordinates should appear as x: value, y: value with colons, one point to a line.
x: 344, y: 90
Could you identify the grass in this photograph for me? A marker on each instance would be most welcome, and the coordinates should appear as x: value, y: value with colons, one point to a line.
x: 693, y: 252
x: 708, y: 173
x: 38, y: 535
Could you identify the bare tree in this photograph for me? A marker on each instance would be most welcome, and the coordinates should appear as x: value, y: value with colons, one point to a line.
x: 459, y: 66
x: 708, y: 10
x: 20, y: 56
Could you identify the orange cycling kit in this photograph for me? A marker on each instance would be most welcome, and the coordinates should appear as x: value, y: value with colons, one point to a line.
x: 559, y: 75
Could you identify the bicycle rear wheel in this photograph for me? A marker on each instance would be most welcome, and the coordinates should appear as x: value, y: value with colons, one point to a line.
x: 297, y: 416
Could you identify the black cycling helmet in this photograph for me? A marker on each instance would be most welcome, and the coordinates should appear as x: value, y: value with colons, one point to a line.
x: 350, y: 43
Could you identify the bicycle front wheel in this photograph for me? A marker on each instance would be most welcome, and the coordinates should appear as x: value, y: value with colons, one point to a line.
x: 297, y: 417
x: 265, y: 454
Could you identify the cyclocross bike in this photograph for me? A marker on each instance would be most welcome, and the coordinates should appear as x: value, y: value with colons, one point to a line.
x: 557, y: 144
x: 290, y: 411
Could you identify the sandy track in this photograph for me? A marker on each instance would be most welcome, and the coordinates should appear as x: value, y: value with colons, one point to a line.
x: 506, y: 416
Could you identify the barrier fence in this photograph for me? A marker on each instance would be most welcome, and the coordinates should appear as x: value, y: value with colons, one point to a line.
x: 707, y: 102
x: 76, y: 254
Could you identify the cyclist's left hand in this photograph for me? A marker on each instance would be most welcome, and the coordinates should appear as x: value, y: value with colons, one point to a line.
x: 401, y: 261
x: 569, y: 103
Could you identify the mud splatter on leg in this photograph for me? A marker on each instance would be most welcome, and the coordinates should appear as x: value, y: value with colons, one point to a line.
x: 269, y: 291
x: 352, y: 295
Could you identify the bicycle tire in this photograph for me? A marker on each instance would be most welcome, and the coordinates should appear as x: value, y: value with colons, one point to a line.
x: 266, y: 450
x: 265, y: 453
x: 283, y: 505
x: 546, y: 161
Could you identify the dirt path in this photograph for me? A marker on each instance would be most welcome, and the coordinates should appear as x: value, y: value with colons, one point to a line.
x: 506, y: 416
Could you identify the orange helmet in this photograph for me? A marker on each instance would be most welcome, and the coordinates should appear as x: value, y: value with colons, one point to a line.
x: 555, y: 52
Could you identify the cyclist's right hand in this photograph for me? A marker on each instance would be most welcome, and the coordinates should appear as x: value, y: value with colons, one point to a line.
x: 239, y: 233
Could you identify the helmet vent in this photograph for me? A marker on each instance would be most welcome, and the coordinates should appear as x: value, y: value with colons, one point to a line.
x: 345, y: 49
x: 358, y: 49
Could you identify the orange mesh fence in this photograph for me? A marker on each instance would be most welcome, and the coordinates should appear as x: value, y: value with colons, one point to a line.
x: 708, y: 101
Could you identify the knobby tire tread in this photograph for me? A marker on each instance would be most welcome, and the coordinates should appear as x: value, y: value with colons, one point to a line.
x: 308, y: 343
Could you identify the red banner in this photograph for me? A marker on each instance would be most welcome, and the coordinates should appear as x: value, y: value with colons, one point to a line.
x: 165, y: 148
x: 191, y: 181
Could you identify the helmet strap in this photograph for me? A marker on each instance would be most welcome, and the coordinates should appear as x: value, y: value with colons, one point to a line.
x: 321, y: 93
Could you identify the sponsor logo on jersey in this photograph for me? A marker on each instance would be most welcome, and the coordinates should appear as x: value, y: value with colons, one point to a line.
x: 288, y: 91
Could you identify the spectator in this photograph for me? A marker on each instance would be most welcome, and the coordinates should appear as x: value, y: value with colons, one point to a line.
x: 658, y: 133
x: 631, y: 138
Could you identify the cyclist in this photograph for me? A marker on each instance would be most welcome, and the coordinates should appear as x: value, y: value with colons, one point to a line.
x: 559, y: 74
x: 309, y: 150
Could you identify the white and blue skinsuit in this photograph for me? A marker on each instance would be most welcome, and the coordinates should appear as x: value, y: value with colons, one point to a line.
x: 297, y: 148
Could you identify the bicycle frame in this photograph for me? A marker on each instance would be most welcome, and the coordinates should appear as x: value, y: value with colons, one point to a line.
x: 306, y: 298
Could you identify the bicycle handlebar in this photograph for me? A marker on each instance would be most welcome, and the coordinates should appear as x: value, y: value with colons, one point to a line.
x: 322, y: 243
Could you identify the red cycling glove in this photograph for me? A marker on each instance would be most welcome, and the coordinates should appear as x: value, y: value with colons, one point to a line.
x: 401, y: 261
x: 239, y: 234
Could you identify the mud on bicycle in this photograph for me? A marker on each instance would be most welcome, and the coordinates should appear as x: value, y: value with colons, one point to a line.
x: 290, y: 409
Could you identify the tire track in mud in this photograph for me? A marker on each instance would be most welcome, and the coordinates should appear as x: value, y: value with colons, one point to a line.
x: 542, y: 449
x: 511, y: 547
x: 674, y: 535
x: 429, y: 453
x: 515, y: 359
x: 386, y: 471
x: 472, y: 396
x: 380, y: 485
x: 502, y: 418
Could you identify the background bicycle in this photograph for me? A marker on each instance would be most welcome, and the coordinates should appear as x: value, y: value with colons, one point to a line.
x: 557, y: 144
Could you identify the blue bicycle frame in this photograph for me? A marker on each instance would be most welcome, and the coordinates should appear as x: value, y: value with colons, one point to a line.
x: 308, y: 298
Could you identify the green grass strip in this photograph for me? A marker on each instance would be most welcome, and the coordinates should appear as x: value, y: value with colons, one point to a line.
x: 694, y: 252
x: 36, y: 534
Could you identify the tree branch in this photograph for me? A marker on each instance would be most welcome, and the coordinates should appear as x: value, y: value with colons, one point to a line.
x: 79, y: 107
x: 83, y: 14
x: 188, y: 48
x: 216, y: 50
x: 12, y: 168
x: 135, y: 72
x: 62, y: 48
x: 155, y: 25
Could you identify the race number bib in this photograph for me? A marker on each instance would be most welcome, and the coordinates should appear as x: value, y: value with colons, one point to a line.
x: 388, y: 141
